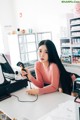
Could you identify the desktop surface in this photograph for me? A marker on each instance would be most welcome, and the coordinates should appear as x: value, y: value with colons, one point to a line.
x: 32, y: 110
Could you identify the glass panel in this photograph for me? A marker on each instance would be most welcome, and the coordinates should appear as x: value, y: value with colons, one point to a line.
x: 39, y: 37
x: 31, y: 38
x: 25, y: 39
x: 46, y: 36
x: 31, y: 47
x: 23, y: 48
x: 43, y: 36
x: 20, y: 39
x: 24, y: 58
x: 32, y: 56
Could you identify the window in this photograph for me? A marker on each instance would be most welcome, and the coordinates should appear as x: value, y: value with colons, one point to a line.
x: 28, y: 44
x: 28, y: 48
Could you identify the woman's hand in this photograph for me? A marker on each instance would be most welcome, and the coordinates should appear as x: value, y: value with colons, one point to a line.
x: 33, y: 91
x: 60, y: 90
x: 73, y: 77
x: 26, y: 73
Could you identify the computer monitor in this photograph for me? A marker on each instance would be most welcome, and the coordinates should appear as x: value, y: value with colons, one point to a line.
x: 3, y: 82
x: 4, y: 90
x: 7, y: 70
x: 8, y: 83
x: 6, y: 67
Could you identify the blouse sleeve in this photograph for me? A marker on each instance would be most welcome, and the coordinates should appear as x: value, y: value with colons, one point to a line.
x: 39, y: 79
x: 54, y: 78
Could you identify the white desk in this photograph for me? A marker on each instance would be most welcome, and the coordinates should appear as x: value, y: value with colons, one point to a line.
x: 32, y: 110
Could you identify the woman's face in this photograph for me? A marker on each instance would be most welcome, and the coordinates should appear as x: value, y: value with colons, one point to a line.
x: 43, y: 54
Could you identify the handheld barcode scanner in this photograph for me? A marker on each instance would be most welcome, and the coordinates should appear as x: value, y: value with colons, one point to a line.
x: 20, y: 64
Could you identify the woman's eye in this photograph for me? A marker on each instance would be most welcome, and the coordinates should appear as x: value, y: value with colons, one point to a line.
x: 40, y: 51
x: 46, y: 52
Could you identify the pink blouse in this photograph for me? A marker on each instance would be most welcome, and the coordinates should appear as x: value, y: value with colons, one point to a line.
x: 49, y: 76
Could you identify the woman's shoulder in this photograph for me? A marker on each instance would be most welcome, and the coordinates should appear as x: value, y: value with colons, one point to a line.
x: 38, y: 64
x: 53, y: 65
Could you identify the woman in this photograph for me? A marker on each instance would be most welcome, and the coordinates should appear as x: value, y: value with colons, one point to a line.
x: 50, y: 73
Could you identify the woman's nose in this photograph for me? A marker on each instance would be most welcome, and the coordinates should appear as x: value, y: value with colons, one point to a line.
x: 42, y: 54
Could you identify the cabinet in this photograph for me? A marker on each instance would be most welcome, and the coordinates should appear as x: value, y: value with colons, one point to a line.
x: 65, y: 45
x: 23, y: 47
x: 70, y: 47
x: 75, y: 39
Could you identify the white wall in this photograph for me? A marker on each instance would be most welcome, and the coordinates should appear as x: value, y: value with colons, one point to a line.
x: 7, y: 21
x: 1, y: 42
x: 43, y: 15
x: 40, y: 15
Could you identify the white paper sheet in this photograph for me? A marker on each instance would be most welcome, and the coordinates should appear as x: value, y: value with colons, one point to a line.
x: 64, y: 111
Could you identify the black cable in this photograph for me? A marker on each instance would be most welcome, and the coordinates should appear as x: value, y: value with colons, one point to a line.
x: 29, y: 100
x: 25, y: 101
x: 18, y: 97
x: 30, y: 84
x: 78, y: 96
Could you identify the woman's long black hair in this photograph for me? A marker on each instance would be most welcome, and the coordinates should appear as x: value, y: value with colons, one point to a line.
x: 65, y: 78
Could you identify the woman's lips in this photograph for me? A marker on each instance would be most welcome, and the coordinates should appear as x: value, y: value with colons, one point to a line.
x: 42, y: 58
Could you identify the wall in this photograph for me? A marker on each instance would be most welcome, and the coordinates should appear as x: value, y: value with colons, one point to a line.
x: 7, y: 22
x: 1, y: 41
x: 43, y: 15
x: 40, y: 15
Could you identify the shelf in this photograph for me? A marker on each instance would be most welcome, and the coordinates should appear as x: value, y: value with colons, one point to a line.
x: 75, y: 31
x: 75, y: 36
x: 67, y: 55
x: 75, y: 45
x: 70, y: 48
x: 72, y: 64
x: 76, y: 55
x: 74, y: 25
x: 73, y: 19
x: 65, y: 46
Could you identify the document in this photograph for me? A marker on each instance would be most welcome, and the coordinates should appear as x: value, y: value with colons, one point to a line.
x: 64, y: 111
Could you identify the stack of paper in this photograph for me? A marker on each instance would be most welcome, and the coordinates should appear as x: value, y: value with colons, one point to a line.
x: 65, y: 111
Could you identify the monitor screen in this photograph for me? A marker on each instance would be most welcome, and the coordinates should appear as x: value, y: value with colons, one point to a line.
x: 3, y: 82
x: 1, y: 76
x: 6, y: 67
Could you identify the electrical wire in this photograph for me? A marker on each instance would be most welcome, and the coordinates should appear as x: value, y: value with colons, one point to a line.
x: 30, y: 88
x: 78, y: 96
x: 26, y: 100
x: 30, y: 85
